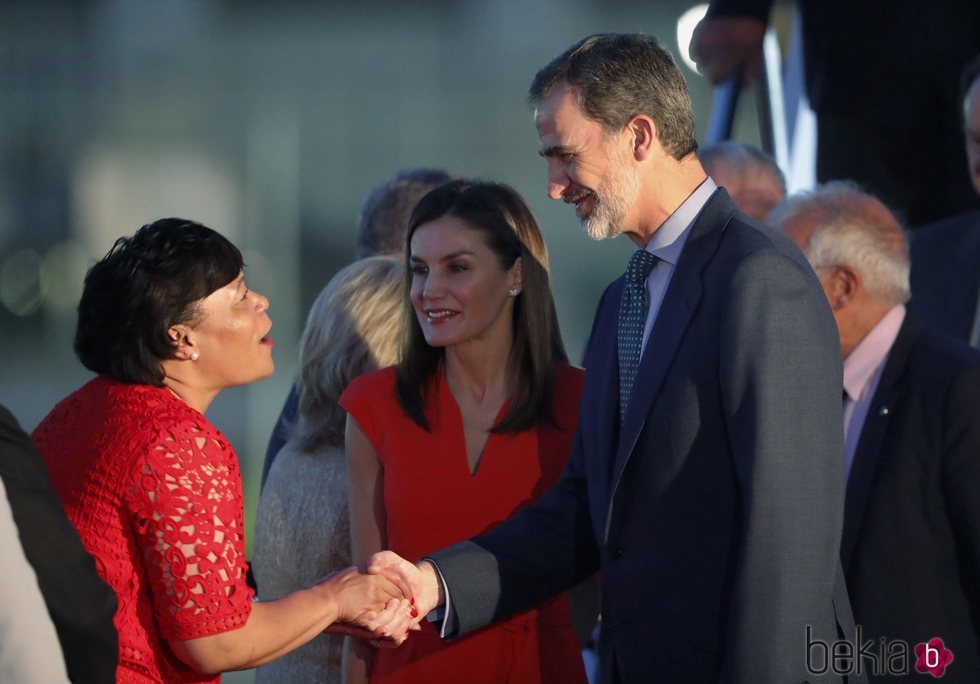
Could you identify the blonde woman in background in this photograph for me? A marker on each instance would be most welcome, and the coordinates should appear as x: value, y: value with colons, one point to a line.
x: 302, y: 529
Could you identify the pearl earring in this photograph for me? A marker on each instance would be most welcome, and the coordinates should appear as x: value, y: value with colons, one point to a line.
x: 195, y: 356
x: 513, y: 292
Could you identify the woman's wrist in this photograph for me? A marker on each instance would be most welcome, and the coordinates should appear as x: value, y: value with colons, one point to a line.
x: 326, y: 593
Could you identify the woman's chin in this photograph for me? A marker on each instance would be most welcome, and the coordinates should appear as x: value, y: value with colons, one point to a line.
x: 261, y: 373
x: 437, y: 341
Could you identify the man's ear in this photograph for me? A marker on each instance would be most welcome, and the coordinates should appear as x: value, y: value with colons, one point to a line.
x: 843, y: 285
x: 182, y: 340
x: 643, y: 133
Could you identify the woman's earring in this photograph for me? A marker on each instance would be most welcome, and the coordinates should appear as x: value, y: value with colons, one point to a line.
x: 195, y: 356
x: 513, y: 292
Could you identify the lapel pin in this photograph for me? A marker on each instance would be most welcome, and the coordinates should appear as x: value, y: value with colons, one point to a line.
x: 884, y: 411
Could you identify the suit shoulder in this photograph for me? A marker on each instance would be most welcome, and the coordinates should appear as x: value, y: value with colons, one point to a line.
x: 749, y: 237
x: 751, y: 249
x: 944, y: 356
x: 946, y: 237
x: 947, y: 228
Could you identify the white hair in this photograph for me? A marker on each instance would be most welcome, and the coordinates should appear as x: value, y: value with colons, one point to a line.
x: 854, y: 229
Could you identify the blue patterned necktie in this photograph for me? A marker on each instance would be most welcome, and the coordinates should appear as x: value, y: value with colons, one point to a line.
x: 632, y: 321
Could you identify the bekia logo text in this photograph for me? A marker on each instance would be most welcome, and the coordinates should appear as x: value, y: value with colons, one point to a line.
x: 881, y: 658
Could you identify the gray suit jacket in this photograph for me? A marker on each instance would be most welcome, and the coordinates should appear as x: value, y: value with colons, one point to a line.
x: 715, y: 514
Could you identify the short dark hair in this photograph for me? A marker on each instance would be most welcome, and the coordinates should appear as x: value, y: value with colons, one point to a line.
x: 971, y: 72
x: 384, y: 215
x: 143, y: 286
x: 500, y: 214
x: 619, y: 76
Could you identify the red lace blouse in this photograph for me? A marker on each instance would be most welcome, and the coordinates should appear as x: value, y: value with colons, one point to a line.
x: 156, y: 494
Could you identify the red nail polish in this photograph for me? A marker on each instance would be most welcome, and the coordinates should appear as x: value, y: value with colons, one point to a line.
x: 412, y: 602
x: 415, y: 613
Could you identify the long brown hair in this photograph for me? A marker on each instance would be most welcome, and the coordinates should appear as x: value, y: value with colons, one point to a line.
x: 498, y: 212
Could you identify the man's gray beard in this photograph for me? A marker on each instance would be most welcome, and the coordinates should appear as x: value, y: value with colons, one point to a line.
x: 601, y: 224
x: 612, y: 203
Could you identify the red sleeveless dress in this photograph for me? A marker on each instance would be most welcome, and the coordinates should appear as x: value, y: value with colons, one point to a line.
x: 432, y: 501
x: 156, y: 494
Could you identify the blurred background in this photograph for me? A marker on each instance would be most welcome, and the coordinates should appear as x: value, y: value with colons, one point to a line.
x: 270, y: 122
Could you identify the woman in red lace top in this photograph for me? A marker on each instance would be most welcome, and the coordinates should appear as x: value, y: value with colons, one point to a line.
x: 155, y: 491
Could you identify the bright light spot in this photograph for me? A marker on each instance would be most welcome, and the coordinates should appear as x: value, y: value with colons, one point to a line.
x: 685, y: 30
x: 20, y: 282
x: 62, y: 275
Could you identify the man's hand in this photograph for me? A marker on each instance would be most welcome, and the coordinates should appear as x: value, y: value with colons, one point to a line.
x: 728, y: 46
x: 419, y: 582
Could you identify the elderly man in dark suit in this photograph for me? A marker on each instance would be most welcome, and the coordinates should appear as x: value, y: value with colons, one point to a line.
x: 706, y: 476
x: 946, y: 254
x: 911, y: 545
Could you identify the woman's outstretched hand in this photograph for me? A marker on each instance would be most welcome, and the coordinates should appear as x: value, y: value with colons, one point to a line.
x: 370, y: 606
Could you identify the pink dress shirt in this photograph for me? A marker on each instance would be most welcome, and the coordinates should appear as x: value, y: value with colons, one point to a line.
x: 862, y: 371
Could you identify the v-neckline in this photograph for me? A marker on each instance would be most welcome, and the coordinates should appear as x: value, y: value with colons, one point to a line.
x: 453, y: 406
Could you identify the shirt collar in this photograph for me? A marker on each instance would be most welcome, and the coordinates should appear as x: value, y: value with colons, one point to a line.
x: 870, y: 353
x: 668, y: 241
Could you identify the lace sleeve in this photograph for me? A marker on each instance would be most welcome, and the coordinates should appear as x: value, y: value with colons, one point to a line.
x: 187, y: 509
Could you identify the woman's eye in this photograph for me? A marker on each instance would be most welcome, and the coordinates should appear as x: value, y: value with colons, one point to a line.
x: 245, y: 295
x: 457, y: 268
x: 419, y: 270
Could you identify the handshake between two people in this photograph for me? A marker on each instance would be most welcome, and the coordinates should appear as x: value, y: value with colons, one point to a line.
x: 383, y: 600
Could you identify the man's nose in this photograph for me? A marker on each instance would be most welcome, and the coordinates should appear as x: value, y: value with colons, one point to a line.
x: 557, y: 183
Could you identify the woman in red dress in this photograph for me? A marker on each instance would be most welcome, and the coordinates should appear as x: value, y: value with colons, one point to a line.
x: 474, y: 424
x: 154, y: 489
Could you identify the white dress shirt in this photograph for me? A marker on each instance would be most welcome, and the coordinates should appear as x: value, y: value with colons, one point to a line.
x: 667, y: 244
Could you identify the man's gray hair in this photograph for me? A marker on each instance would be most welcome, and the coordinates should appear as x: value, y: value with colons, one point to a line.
x: 619, y: 76
x: 854, y: 229
x: 741, y: 159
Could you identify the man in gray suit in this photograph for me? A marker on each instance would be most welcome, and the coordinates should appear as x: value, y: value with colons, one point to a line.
x: 706, y: 477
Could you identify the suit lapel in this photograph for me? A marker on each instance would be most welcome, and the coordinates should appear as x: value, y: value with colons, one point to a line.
x: 604, y: 362
x: 868, y: 453
x: 679, y: 303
